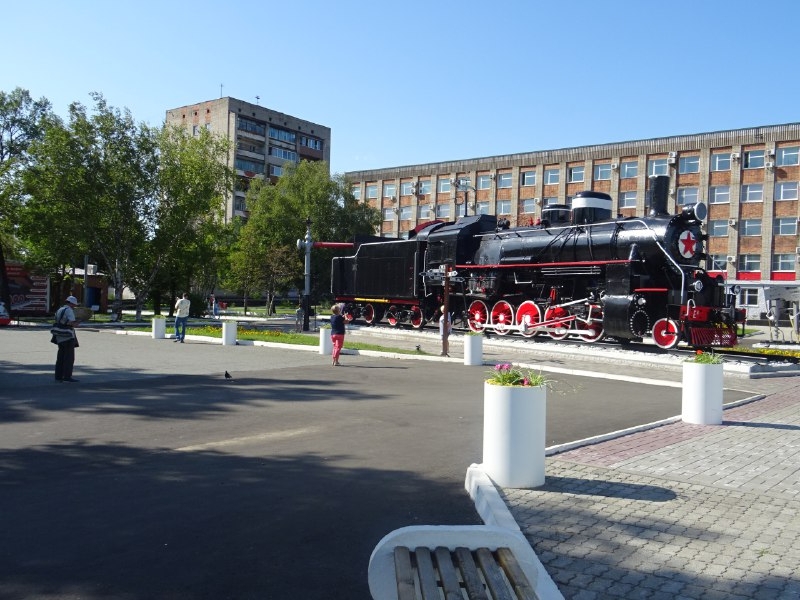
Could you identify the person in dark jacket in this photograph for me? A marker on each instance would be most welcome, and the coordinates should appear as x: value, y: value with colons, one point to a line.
x: 337, y: 333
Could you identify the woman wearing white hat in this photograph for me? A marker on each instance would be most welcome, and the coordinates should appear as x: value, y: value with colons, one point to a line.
x: 64, y: 335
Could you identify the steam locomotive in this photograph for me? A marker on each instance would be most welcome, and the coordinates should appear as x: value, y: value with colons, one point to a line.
x: 579, y: 273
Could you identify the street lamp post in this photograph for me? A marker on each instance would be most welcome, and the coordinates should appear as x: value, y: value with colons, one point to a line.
x: 462, y: 185
x: 306, y: 244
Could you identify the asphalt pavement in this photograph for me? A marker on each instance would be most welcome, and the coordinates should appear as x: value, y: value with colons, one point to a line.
x: 154, y: 477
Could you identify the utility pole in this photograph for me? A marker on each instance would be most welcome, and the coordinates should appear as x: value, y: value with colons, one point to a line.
x: 306, y: 244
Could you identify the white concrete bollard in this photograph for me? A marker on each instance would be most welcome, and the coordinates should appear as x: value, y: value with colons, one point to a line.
x: 325, y: 342
x: 701, y: 400
x: 473, y: 350
x: 159, y: 328
x: 229, y: 333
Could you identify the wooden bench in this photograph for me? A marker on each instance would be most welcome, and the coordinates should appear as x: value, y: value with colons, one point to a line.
x: 453, y: 562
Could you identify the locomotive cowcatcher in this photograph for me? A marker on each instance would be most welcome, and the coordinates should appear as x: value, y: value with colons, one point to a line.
x: 580, y: 273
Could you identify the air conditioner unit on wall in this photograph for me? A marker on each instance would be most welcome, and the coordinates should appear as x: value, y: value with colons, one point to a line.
x: 673, y: 155
x: 614, y: 166
x: 731, y: 259
x: 771, y: 152
x: 731, y: 222
x: 797, y: 251
x: 769, y: 165
x: 735, y: 155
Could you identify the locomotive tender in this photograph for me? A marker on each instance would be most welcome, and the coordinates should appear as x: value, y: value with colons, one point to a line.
x: 580, y: 273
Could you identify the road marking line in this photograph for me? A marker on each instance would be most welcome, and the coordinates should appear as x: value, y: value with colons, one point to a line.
x: 261, y: 437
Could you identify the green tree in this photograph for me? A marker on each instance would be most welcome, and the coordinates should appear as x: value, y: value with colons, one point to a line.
x: 22, y: 121
x: 191, y: 182
x: 91, y: 190
x: 278, y: 215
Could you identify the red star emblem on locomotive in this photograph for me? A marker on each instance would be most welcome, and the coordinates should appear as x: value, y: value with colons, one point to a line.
x: 686, y: 244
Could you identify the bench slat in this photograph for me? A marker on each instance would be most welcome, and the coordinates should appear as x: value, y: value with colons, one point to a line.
x: 448, y: 575
x: 404, y: 574
x: 515, y: 575
x: 493, y: 575
x: 469, y: 573
x: 427, y: 576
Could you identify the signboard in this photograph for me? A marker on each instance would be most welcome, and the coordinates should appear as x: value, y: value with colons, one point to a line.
x: 789, y: 293
x: 29, y: 293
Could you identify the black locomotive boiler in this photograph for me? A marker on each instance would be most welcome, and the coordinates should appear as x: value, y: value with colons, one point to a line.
x: 580, y: 273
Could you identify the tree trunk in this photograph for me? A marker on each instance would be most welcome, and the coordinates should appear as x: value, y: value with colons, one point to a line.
x: 5, y: 290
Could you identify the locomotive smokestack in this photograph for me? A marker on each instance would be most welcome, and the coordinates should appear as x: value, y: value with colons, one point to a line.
x: 659, y: 193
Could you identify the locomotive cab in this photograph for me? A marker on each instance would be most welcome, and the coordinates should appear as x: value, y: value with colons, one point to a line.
x: 556, y: 215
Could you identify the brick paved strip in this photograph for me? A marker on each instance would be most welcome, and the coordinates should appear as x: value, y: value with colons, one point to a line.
x: 620, y: 449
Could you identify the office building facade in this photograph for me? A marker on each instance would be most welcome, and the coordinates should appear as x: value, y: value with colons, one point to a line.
x: 262, y: 140
x: 748, y: 178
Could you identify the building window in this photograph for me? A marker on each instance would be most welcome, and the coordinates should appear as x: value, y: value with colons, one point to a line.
x: 721, y: 161
x: 312, y: 143
x: 243, y: 164
x: 504, y: 180
x: 689, y: 164
x: 717, y: 262
x: 786, y: 190
x: 749, y: 262
x: 356, y: 192
x: 484, y: 182
x: 751, y: 227
x: 629, y: 170
x: 461, y: 209
x: 443, y: 185
x: 443, y: 211
x: 719, y: 194
x: 372, y: 190
x: 657, y: 166
x: 424, y: 187
x: 787, y: 157
x: 754, y: 159
x: 276, y: 171
x: 388, y: 214
x: 752, y: 192
x: 289, y: 155
x: 602, y: 172
x: 687, y: 195
x: 389, y: 190
x: 482, y: 208
x: 282, y: 135
x: 528, y: 178
x: 405, y: 213
x: 406, y: 188
x: 424, y: 211
x: 504, y: 207
x: 575, y: 174
x: 251, y: 126
x: 529, y: 206
x: 551, y: 176
x: 783, y: 262
x: 239, y: 204
x: 748, y: 297
x: 784, y: 226
x: 627, y: 200
x: 718, y: 228
x: 550, y: 201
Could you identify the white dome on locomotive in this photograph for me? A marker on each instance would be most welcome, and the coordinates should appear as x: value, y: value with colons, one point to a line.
x: 590, y: 207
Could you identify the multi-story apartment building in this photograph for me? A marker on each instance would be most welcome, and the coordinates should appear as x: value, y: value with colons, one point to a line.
x: 749, y: 179
x: 262, y: 140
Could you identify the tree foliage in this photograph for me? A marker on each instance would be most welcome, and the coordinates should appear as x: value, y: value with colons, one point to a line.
x: 22, y: 121
x: 278, y: 215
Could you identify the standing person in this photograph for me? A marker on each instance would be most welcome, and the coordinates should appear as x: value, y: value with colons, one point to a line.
x: 214, y: 307
x: 181, y: 317
x: 64, y: 335
x: 337, y: 333
x: 445, y: 327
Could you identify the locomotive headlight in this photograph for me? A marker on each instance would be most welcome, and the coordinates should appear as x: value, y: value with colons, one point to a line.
x: 641, y: 301
x: 698, y: 286
x: 735, y: 289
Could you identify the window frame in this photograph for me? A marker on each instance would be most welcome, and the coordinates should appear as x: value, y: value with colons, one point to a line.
x: 503, y: 207
x: 689, y: 164
x: 784, y: 262
x: 746, y: 263
x: 503, y: 181
x: 602, y: 172
x: 784, y: 226
x: 552, y: 176
x: 576, y: 174
x: 714, y: 193
x: 780, y: 191
x: 754, y: 159
x: 625, y: 197
x: 655, y: 164
x: 527, y: 178
x: 692, y: 192
x: 718, y: 228
x: 720, y: 157
x: 484, y: 182
x: 781, y: 155
x: 629, y: 169
x: 748, y: 190
x: 528, y: 203
x: 389, y: 190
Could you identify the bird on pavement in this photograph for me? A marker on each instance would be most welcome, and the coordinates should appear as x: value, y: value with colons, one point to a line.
x: 228, y: 375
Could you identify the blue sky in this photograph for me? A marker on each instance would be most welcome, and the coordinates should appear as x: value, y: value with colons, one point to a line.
x: 412, y: 82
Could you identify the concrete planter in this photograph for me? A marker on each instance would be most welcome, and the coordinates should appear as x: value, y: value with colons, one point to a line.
x: 514, y: 434
x: 159, y: 328
x: 701, y: 400
x: 325, y: 342
x: 229, y: 333
x: 473, y: 350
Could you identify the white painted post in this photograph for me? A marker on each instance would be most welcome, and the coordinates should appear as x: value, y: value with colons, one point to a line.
x: 159, y: 328
x: 229, y: 333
